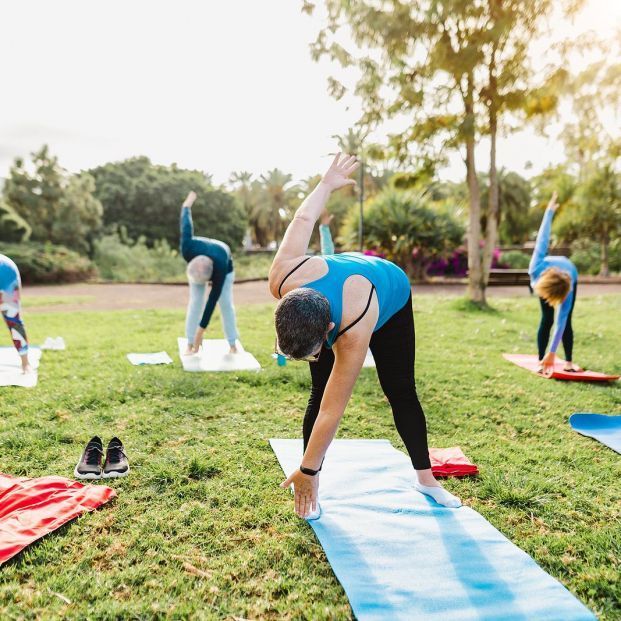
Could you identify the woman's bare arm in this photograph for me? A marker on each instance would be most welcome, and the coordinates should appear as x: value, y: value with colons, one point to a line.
x: 298, y: 234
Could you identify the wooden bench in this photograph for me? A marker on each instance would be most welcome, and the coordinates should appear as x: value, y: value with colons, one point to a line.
x: 508, y: 277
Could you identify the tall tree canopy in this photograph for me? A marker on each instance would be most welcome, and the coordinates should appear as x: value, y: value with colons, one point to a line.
x: 450, y: 71
x: 145, y: 198
x: 59, y: 207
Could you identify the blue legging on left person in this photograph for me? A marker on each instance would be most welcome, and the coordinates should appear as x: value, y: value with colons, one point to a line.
x: 196, y: 306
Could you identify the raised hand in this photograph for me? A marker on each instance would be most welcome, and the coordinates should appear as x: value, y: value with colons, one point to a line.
x: 553, y: 205
x: 337, y: 176
x: 190, y: 198
x: 326, y: 217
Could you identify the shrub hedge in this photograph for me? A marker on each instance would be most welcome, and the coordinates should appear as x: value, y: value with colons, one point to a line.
x: 41, y: 263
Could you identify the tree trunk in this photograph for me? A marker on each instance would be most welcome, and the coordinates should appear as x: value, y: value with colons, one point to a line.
x: 476, y: 288
x: 491, y: 232
x: 603, y: 267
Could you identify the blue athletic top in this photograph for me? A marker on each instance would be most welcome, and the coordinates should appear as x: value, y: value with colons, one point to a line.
x: 217, y: 251
x: 391, y: 285
x: 9, y: 275
x: 539, y: 263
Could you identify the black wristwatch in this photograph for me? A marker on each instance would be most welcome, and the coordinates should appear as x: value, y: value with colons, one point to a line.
x: 309, y: 471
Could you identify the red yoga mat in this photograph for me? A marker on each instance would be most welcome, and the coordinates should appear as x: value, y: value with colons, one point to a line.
x: 451, y: 462
x: 531, y: 363
x: 32, y: 508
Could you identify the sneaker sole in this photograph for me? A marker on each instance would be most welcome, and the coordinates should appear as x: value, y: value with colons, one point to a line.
x: 115, y: 475
x: 85, y: 477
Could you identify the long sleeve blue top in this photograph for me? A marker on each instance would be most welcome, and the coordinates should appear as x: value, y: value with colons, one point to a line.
x: 193, y: 246
x: 539, y: 263
x: 325, y: 238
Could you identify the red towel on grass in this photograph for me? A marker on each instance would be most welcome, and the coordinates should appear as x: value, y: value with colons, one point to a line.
x: 32, y: 508
x: 451, y: 462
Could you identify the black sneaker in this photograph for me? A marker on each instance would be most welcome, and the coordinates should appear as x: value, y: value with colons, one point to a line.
x: 89, y: 466
x: 116, y: 461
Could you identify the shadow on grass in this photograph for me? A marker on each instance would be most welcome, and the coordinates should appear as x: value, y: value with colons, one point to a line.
x: 464, y: 305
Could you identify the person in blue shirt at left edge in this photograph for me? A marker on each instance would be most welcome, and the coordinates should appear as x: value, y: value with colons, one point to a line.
x: 209, y: 261
x: 555, y: 280
x: 10, y: 307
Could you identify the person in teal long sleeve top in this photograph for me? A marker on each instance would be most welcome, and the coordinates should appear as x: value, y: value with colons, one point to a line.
x: 555, y: 280
x: 325, y: 236
x: 209, y: 260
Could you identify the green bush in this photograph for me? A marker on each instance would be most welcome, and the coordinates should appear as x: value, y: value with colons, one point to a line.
x: 514, y: 259
x: 254, y: 265
x: 122, y: 260
x: 13, y: 228
x: 40, y: 263
x: 407, y: 227
x: 586, y: 256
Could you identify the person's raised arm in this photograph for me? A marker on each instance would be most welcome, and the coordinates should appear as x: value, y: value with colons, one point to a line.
x: 298, y: 234
x: 187, y: 227
x: 325, y: 236
x: 561, y: 320
x: 543, y: 236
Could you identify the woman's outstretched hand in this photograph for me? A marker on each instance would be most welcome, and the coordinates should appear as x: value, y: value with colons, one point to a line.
x: 305, y: 488
x: 189, y: 200
x: 337, y: 176
x: 326, y: 217
x: 553, y: 204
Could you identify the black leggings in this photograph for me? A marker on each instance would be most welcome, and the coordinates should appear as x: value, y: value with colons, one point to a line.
x: 545, y: 326
x: 393, y: 349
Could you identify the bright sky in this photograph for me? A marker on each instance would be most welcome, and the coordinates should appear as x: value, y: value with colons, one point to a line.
x: 218, y: 85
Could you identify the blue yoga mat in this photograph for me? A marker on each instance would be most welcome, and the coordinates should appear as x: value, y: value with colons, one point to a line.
x: 606, y: 429
x: 400, y: 556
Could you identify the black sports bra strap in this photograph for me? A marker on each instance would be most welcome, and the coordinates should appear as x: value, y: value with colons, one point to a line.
x: 364, y: 312
x: 298, y: 266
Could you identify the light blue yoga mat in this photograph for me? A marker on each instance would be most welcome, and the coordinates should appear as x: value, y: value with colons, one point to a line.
x: 606, y: 429
x: 402, y: 557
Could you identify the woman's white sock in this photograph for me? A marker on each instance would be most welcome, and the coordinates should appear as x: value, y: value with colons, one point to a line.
x: 440, y: 495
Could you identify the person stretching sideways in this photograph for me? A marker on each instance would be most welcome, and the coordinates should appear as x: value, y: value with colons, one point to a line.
x: 331, y: 309
x: 555, y: 280
x: 209, y: 260
x: 10, y: 289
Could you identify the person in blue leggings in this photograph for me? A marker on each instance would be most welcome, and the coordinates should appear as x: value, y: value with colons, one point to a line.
x: 332, y: 308
x: 10, y: 306
x: 209, y: 261
x: 555, y: 280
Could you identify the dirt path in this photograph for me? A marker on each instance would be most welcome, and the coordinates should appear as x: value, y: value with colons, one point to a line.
x: 129, y: 297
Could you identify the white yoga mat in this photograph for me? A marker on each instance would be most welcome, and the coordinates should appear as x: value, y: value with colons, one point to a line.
x: 11, y: 367
x: 369, y: 361
x: 402, y: 557
x: 214, y: 356
x: 161, y: 357
x: 54, y: 343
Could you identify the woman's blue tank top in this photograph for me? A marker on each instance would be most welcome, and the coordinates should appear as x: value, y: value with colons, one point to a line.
x: 9, y: 274
x: 391, y: 285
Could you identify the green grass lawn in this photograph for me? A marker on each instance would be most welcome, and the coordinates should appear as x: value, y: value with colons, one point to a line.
x: 200, y: 528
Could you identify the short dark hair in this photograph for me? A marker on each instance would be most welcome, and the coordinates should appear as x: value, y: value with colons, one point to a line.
x: 302, y: 318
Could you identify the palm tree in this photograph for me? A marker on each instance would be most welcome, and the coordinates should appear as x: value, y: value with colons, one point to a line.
x: 274, y: 206
x: 352, y: 142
